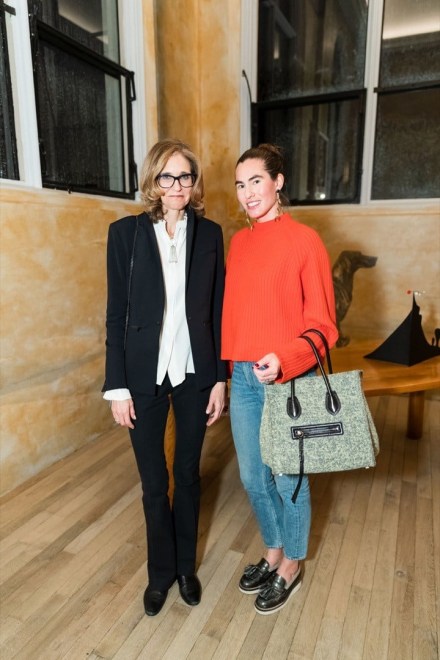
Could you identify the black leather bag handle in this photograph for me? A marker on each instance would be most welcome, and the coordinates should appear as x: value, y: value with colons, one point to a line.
x: 332, y: 402
x: 324, y: 343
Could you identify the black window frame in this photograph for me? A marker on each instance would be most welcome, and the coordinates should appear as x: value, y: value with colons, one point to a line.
x: 12, y: 170
x: 43, y: 33
x: 370, y: 97
x: 383, y: 90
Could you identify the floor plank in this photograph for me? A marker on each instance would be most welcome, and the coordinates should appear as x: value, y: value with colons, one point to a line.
x: 72, y: 559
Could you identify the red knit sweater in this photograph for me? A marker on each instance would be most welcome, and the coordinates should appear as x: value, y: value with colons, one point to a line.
x: 278, y: 284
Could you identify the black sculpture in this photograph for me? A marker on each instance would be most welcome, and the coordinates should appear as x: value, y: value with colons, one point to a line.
x: 407, y: 344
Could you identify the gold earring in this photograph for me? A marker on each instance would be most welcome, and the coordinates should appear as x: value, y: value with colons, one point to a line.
x: 251, y: 226
x: 280, y: 209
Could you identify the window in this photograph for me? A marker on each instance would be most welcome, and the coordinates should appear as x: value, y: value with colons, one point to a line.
x: 345, y: 124
x: 83, y: 97
x: 407, y: 145
x: 8, y: 143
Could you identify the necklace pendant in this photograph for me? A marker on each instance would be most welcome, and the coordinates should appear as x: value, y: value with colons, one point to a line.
x: 173, y: 254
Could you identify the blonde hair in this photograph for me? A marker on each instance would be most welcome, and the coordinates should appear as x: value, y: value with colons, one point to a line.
x: 154, y: 163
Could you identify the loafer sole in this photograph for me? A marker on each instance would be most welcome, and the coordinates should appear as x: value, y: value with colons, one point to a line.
x: 190, y: 600
x: 252, y: 590
x: 260, y: 587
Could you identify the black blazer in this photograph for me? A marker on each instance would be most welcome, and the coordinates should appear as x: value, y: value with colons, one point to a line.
x: 135, y: 365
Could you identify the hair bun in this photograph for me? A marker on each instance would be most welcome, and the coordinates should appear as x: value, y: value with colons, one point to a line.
x: 273, y: 148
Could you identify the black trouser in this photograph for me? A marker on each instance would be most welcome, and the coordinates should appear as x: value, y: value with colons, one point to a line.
x: 171, y: 529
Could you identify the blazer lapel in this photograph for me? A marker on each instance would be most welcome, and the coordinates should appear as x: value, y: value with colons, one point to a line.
x: 149, y: 249
x: 151, y: 239
x: 190, y: 231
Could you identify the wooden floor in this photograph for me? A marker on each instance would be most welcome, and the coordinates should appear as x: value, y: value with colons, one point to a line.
x: 73, y: 560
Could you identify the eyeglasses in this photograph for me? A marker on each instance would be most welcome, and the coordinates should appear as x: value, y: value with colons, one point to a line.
x: 167, y: 180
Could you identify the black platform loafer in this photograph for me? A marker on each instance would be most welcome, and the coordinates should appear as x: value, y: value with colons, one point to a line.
x: 154, y: 601
x: 190, y: 589
x: 273, y: 597
x: 255, y: 577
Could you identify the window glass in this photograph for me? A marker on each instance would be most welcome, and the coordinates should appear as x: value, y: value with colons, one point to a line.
x: 322, y: 148
x: 410, y: 42
x: 93, y: 23
x: 83, y: 97
x: 8, y: 145
x: 80, y: 122
x: 407, y: 154
x: 310, y: 46
x: 407, y: 144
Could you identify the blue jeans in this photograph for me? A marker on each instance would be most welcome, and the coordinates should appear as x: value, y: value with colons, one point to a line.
x: 282, y: 523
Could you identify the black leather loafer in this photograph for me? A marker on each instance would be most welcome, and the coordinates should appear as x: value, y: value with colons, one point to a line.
x: 154, y: 601
x: 255, y: 577
x: 273, y: 597
x: 190, y: 589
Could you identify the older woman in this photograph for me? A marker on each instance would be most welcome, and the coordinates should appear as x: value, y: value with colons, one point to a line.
x: 165, y: 293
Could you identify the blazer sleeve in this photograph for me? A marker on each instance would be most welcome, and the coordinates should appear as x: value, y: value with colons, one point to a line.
x: 118, y: 261
x: 218, y: 293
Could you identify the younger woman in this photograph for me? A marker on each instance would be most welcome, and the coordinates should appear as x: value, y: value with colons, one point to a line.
x: 278, y: 284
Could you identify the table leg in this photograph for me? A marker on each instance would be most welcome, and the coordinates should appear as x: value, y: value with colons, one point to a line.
x: 416, y: 406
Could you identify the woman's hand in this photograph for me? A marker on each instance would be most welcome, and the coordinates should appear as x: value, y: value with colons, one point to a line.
x: 216, y: 403
x: 267, y: 368
x: 123, y: 412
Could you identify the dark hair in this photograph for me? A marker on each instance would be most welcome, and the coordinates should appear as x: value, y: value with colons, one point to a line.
x: 157, y: 158
x: 271, y: 155
x: 273, y: 161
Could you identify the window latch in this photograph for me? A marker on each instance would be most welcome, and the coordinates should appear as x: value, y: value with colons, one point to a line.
x: 8, y: 8
x: 132, y: 88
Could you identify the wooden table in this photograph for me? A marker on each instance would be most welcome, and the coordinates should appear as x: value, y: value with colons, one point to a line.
x: 389, y: 378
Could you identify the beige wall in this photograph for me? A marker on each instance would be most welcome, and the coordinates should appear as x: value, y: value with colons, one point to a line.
x: 405, y: 238
x: 53, y: 248
x: 52, y: 312
x: 198, y: 57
